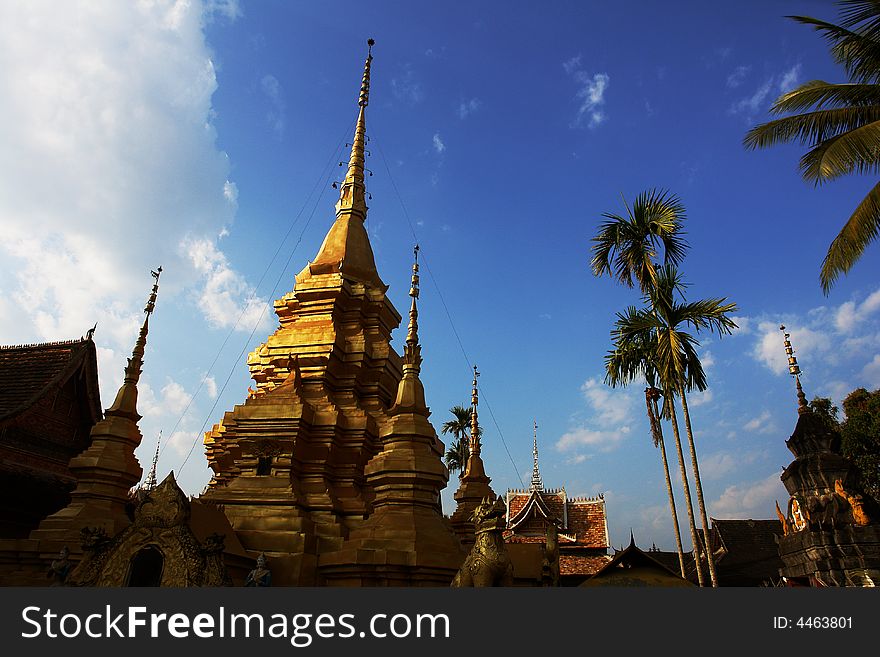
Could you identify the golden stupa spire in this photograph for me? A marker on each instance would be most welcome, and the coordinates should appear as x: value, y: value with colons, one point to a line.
x: 537, y: 484
x: 346, y: 248
x: 353, y: 190
x: 795, y: 370
x: 475, y: 427
x: 125, y: 404
x: 410, y: 392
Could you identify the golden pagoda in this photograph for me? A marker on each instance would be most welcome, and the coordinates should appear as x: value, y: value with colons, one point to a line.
x: 336, y: 435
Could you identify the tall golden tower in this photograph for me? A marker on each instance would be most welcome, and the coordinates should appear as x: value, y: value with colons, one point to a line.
x: 289, y: 463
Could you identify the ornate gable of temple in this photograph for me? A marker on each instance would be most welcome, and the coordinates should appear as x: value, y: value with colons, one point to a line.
x: 158, y: 549
x: 580, y: 521
x: 49, y: 401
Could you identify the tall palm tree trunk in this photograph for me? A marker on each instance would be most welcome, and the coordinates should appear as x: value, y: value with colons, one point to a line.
x: 662, y: 446
x: 687, y: 494
x: 710, y: 557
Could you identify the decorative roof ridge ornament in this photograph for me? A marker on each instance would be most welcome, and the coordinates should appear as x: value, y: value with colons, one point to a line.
x: 795, y: 370
x: 537, y: 484
x: 125, y: 404
x: 150, y: 482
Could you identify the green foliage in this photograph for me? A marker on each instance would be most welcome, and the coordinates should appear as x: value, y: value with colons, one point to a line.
x: 860, y: 436
x: 825, y: 409
x: 458, y: 451
x: 840, y: 124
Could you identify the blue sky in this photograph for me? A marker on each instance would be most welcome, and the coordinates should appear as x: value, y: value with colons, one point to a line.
x: 203, y: 136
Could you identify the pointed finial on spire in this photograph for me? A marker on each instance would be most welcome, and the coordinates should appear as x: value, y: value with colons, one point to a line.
x: 125, y: 404
x: 537, y: 484
x: 150, y: 482
x: 795, y: 370
x: 412, y: 350
x: 475, y: 426
x: 352, y: 190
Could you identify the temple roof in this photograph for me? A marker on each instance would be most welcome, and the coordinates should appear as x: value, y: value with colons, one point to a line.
x: 28, y: 372
x: 581, y: 521
x: 634, y: 559
x: 749, y: 548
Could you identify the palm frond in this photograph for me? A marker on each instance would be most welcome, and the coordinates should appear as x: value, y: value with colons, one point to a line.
x: 810, y: 127
x: 861, y: 229
x: 819, y: 94
x: 856, y: 49
x: 855, y: 151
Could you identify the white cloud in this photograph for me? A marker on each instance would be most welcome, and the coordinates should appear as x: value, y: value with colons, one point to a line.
x: 751, y: 105
x: 439, y: 146
x: 590, y: 94
x: 700, y: 398
x: 744, y: 326
x: 407, y: 88
x: 109, y: 158
x: 210, y: 386
x: 468, y: 107
x: 769, y: 349
x: 761, y: 423
x: 225, y: 298
x: 603, y: 441
x: 754, y: 499
x: 276, y: 115
x: 572, y: 64
x: 708, y: 360
x: 790, y: 79
x: 871, y: 373
x: 611, y: 406
x: 850, y: 315
x: 737, y: 76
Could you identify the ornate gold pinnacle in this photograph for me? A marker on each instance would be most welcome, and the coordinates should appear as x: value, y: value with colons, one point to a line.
x: 795, y: 370
x: 537, y: 484
x: 475, y: 427
x: 126, y: 399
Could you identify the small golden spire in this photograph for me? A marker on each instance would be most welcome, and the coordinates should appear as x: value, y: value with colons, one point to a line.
x: 537, y: 483
x: 125, y: 404
x: 475, y: 426
x: 412, y: 355
x: 795, y: 370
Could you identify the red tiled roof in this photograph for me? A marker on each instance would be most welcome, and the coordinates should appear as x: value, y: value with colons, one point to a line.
x: 581, y: 520
x: 27, y: 372
x: 575, y: 564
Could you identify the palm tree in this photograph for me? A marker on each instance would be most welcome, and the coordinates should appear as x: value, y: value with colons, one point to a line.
x: 678, y: 366
x: 458, y: 452
x: 630, y: 359
x: 626, y: 246
x: 840, y: 123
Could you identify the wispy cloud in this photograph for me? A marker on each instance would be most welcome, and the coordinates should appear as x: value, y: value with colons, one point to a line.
x: 439, y: 146
x: 276, y: 115
x: 759, y: 100
x: 761, y: 423
x: 407, y: 88
x: 737, y: 76
x: 590, y: 94
x: 468, y: 107
x: 790, y: 79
